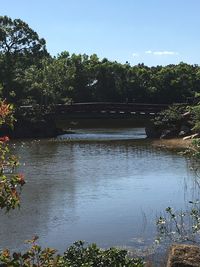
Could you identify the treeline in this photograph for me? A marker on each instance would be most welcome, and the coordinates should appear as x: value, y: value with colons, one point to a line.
x: 30, y: 75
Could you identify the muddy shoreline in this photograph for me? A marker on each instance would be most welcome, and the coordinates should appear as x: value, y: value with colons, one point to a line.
x: 174, y: 143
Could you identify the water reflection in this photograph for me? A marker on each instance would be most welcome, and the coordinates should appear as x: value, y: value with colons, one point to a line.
x: 107, y: 134
x: 108, y: 192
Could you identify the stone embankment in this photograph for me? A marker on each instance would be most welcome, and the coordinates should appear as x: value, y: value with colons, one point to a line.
x: 184, y: 256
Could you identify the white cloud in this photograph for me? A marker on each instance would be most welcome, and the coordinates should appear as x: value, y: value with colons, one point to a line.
x: 135, y: 55
x: 161, y: 53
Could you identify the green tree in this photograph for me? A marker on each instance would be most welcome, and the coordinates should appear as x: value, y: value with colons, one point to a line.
x: 16, y: 37
x: 20, y: 47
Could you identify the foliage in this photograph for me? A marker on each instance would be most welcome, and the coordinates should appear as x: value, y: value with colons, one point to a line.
x: 170, y: 116
x: 20, y: 47
x: 76, y: 255
x: 79, y: 255
x: 194, y: 152
x: 6, y: 114
x: 180, y: 226
x: 29, y: 75
x: 170, y: 121
x: 195, y: 114
x: 83, y: 79
x: 17, y: 38
x: 10, y: 181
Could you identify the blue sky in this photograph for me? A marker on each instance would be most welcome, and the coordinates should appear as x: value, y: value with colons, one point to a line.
x: 153, y: 32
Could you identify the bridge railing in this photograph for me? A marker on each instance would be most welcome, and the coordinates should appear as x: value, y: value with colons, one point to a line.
x: 108, y: 107
x: 94, y: 107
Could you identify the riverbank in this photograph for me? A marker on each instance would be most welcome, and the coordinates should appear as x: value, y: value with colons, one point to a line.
x: 174, y: 143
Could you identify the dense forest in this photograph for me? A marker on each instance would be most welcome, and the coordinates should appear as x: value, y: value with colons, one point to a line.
x: 30, y: 75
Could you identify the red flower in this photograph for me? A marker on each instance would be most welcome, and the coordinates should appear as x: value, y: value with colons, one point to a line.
x: 20, y: 178
x: 4, y: 139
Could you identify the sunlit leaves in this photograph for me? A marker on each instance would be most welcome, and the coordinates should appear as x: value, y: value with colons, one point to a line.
x: 76, y: 255
x: 17, y: 37
x: 180, y: 226
x: 10, y: 181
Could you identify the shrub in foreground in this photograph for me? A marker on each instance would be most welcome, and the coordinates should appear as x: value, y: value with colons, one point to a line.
x: 11, y: 182
x: 77, y: 255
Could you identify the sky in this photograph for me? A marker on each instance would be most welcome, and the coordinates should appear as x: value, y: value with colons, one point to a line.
x: 153, y: 32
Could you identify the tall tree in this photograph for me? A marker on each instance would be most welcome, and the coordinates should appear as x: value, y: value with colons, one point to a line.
x: 16, y: 37
x: 20, y: 47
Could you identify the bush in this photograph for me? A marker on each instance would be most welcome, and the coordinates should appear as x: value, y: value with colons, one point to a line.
x: 77, y: 255
x: 10, y: 181
x: 171, y: 117
x: 195, y: 112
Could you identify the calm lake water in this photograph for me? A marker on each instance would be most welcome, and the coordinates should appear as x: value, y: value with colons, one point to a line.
x: 98, y: 185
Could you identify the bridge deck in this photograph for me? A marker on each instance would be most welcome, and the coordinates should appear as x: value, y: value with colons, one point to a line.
x: 108, y: 108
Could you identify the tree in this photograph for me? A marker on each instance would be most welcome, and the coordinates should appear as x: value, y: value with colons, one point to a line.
x: 16, y: 37
x: 20, y: 47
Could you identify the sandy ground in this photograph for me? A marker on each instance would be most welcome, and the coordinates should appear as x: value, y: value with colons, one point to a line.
x: 175, y: 143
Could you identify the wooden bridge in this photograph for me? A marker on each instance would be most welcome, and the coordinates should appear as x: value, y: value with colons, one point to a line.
x: 96, y: 109
x: 109, y: 108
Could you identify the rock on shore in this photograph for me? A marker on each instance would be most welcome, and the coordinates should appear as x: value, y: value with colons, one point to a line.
x: 33, y: 129
x: 184, y: 256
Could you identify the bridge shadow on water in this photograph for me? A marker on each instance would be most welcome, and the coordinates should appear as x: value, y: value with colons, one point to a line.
x: 76, y: 123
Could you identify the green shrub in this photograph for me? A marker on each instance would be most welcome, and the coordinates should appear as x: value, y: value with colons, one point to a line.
x: 170, y: 117
x: 77, y: 255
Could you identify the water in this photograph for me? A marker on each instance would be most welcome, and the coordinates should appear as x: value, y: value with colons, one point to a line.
x: 96, y: 185
x: 101, y: 134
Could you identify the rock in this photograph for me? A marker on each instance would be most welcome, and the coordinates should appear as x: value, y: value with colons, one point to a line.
x: 184, y: 256
x: 151, y: 131
x: 33, y: 129
x: 166, y: 134
x: 184, y: 130
x: 196, y: 135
